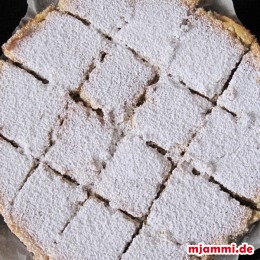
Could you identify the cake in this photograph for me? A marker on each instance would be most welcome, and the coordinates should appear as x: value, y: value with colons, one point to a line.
x: 129, y: 130
x: 117, y: 95
x: 215, y: 150
x: 78, y: 161
x: 145, y: 170
x: 29, y: 126
x: 169, y: 107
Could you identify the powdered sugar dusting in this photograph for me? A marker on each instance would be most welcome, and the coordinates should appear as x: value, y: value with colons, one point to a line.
x: 44, y: 206
x: 29, y: 109
x: 150, y: 246
x: 150, y: 34
x: 60, y: 49
x: 205, y: 56
x: 17, y: 166
x: 193, y: 210
x: 132, y: 178
x: 97, y: 232
x: 107, y: 16
x: 82, y: 145
x: 243, y: 93
x: 107, y: 98
x: 170, y: 116
x: 115, y: 82
x: 228, y: 149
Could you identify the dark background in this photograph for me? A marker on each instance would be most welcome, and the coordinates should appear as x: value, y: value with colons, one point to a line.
x: 11, y: 11
x: 248, y: 11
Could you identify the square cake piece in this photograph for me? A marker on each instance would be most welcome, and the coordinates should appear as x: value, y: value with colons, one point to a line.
x: 82, y: 146
x: 57, y: 47
x: 150, y: 35
x: 132, y: 178
x: 116, y: 82
x: 95, y: 233
x: 107, y: 16
x: 192, y: 210
x: 243, y: 93
x: 149, y: 246
x: 13, y: 171
x: 206, y: 56
x: 228, y: 149
x: 44, y: 206
x: 29, y: 110
x: 170, y: 116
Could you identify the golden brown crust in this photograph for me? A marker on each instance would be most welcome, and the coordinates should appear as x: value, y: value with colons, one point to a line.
x: 1, y: 209
x: 191, y: 3
x: 228, y: 25
x: 236, y: 29
x: 255, y: 48
x: 255, y: 217
x: 26, y: 239
x: 1, y: 64
x: 63, y: 4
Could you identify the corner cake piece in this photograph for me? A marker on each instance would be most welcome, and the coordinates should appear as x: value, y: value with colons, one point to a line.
x: 155, y: 29
x: 43, y: 208
x: 116, y: 83
x: 51, y: 46
x: 133, y: 177
x: 29, y: 109
x: 151, y: 246
x: 107, y: 16
x: 83, y: 144
x: 243, y: 92
x: 95, y: 233
x: 206, y: 55
x: 13, y: 171
x: 228, y: 149
x: 193, y: 210
x: 170, y: 116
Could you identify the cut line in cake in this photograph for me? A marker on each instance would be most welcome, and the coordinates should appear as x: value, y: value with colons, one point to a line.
x: 162, y: 126
x: 199, y: 15
x: 226, y: 140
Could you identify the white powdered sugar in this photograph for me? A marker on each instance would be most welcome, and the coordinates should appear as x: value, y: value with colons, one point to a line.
x: 243, y: 93
x: 29, y: 109
x: 228, y: 149
x: 151, y: 246
x: 206, y: 56
x: 60, y: 49
x: 115, y: 82
x: 132, y: 178
x: 95, y: 233
x: 112, y: 145
x: 107, y: 16
x: 13, y: 171
x: 170, y: 116
x: 155, y: 29
x: 193, y: 210
x: 82, y: 146
x: 44, y: 206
